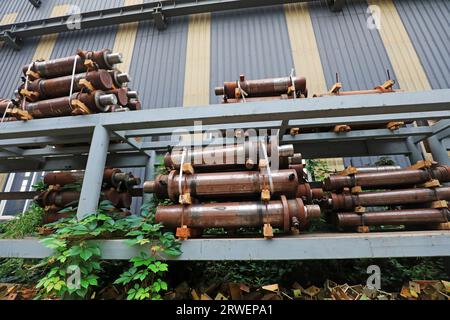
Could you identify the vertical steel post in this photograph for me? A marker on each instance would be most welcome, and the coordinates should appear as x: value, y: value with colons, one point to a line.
x: 438, y: 150
x: 149, y: 175
x: 414, y: 153
x: 93, y: 177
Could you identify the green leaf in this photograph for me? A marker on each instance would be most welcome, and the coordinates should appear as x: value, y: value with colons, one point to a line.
x: 86, y: 254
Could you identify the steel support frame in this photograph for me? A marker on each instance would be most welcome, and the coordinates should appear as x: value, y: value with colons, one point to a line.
x: 301, y: 113
x: 158, y: 11
x: 302, y: 247
x: 100, y: 129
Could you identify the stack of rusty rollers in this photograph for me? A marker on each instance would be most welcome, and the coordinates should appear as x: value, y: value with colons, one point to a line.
x: 293, y: 87
x: 85, y: 83
x: 61, y: 197
x: 233, y: 194
x: 415, y: 197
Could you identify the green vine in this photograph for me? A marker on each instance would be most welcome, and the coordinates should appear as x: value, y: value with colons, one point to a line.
x: 76, y: 268
x: 318, y: 169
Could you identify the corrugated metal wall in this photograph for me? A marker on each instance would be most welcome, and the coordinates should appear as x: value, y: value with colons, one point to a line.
x: 254, y: 42
x: 428, y: 26
x: 352, y: 50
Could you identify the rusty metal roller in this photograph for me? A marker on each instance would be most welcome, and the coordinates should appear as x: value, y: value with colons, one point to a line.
x: 388, y: 179
x: 262, y: 87
x: 223, y: 184
x: 66, y: 198
x: 392, y: 217
x: 231, y: 157
x: 279, y: 213
x: 60, y: 107
x: 385, y: 198
x: 105, y: 59
x: 59, y: 87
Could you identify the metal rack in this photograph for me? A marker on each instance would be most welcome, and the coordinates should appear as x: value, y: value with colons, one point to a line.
x: 158, y: 11
x: 101, y: 129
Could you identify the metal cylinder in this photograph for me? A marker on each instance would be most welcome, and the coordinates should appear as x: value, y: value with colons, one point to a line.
x: 64, y: 66
x: 60, y: 107
x: 263, y: 87
x: 132, y: 94
x: 392, y: 217
x: 119, y: 78
x: 279, y: 213
x: 121, y: 95
x: 223, y: 184
x: 385, y: 198
x: 378, y: 169
x: 223, y: 158
x: 111, y: 178
x: 387, y: 179
x: 134, y: 104
x: 69, y: 198
x: 59, y: 87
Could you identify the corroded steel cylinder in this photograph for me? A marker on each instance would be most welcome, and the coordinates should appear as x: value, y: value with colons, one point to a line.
x: 223, y: 184
x: 60, y: 107
x: 64, y: 66
x: 262, y: 87
x: 121, y: 95
x: 378, y: 169
x: 221, y: 158
x: 65, y: 198
x: 59, y: 87
x: 279, y: 213
x: 134, y: 104
x: 387, y: 179
x: 392, y: 217
x: 385, y: 198
x: 111, y: 177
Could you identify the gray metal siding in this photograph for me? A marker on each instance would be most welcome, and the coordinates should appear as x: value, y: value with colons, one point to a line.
x: 348, y: 47
x: 157, y: 68
x: 428, y: 26
x: 254, y: 42
x: 356, y: 53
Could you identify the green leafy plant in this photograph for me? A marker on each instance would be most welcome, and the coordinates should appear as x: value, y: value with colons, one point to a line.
x: 25, y: 224
x: 143, y: 280
x: 318, y: 169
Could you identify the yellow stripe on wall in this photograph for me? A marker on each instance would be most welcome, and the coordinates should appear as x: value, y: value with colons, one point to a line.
x: 126, y: 38
x: 47, y: 43
x: 406, y: 63
x: 305, y: 54
x: 198, y: 51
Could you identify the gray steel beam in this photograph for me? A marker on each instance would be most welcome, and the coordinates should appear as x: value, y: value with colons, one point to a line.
x: 134, y: 160
x: 48, y: 141
x: 415, y: 154
x: 446, y: 143
x: 306, y: 246
x: 357, y: 135
x: 156, y: 10
x: 358, y: 148
x: 93, y: 177
x: 300, y: 112
x: 149, y: 175
x: 438, y: 151
x: 192, y: 129
x: 18, y: 195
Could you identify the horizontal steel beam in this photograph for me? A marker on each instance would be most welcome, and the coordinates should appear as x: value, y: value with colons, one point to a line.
x: 71, y: 163
x: 302, y: 247
x: 157, y: 11
x: 18, y: 195
x: 300, y: 112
